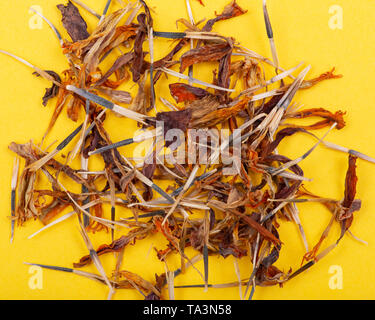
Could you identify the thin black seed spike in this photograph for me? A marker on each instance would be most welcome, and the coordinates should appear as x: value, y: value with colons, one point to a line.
x: 192, y: 21
x: 255, y: 269
x: 194, y: 286
x: 107, y: 104
x: 105, y: 11
x: 69, y: 138
x: 252, y: 292
x: 13, y: 201
x: 270, y: 37
x: 92, y: 125
x: 113, y: 146
x: 177, y: 191
x: 200, y: 178
x: 106, y: 54
x: 57, y: 33
x: 13, y: 212
x: 169, y: 35
x: 267, y: 21
x: 92, y: 253
x: 112, y: 192
x: 177, y: 272
x: 360, y: 155
x: 42, y: 161
x: 162, y: 193
x: 204, y: 176
x: 113, y: 217
x: 305, y: 155
x: 205, y: 261
x: 267, y: 217
x: 93, y: 97
x: 95, y: 258
x: 149, y: 215
x: 86, y: 218
x: 13, y: 186
x: 346, y: 150
x: 151, y: 46
x: 294, y: 87
x: 153, y: 96
x: 51, y: 267
x: 302, y: 269
x: 210, y: 285
x: 205, y: 248
x: 86, y: 8
x: 87, y: 106
x: 39, y: 71
x: 106, y: 8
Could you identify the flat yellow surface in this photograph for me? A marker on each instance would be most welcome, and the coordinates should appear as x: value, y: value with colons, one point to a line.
x: 302, y: 33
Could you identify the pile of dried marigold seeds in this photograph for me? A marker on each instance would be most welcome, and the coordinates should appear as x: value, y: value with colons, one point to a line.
x: 237, y: 184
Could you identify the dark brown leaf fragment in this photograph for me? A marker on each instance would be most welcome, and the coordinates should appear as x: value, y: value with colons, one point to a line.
x: 73, y: 22
x: 174, y: 120
x: 54, y: 90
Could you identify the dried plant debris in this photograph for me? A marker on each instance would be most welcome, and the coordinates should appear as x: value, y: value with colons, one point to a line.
x: 73, y: 22
x: 217, y: 207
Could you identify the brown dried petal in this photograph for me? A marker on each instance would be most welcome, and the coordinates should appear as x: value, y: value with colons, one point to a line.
x: 115, y: 246
x: 350, y: 183
x: 126, y: 179
x: 224, y: 71
x: 182, y: 92
x: 230, y: 11
x: 138, y: 48
x: 330, y: 118
x: 120, y: 62
x: 211, y: 52
x: 73, y: 22
x: 54, y: 90
x: 148, y: 169
x: 174, y: 120
x: 286, y: 132
x: 280, y: 158
x: 118, y: 96
x: 235, y: 251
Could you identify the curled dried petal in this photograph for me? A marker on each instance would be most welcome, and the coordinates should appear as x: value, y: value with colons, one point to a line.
x: 73, y: 22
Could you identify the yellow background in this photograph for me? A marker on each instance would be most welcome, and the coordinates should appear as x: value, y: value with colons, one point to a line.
x: 301, y: 34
